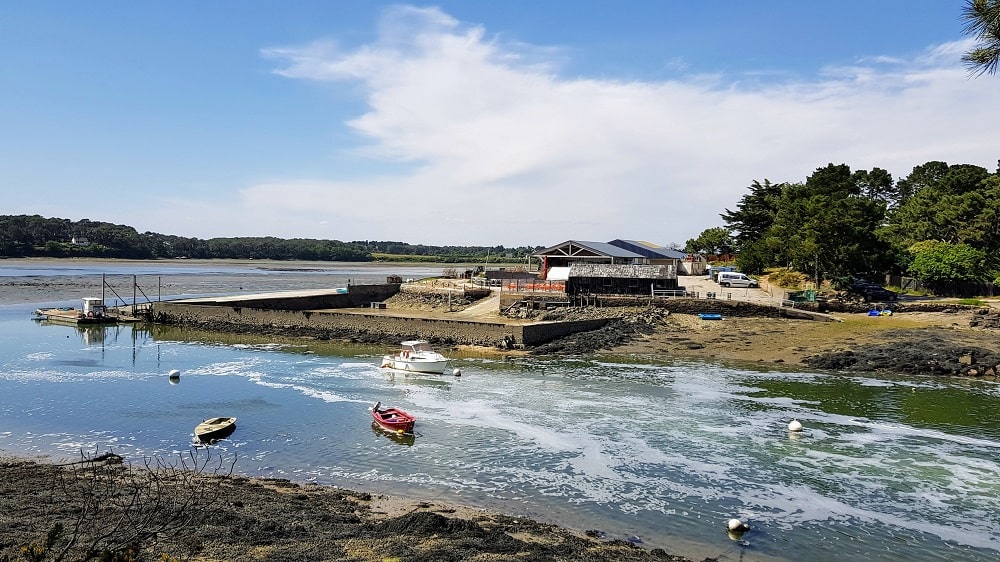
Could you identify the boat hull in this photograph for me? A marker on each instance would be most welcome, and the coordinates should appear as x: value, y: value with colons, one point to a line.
x: 435, y: 367
x: 393, y: 419
x: 71, y: 316
x: 416, y: 356
x: 214, y: 429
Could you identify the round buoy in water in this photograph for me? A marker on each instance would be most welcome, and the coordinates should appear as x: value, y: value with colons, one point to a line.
x: 736, y: 526
x: 175, y: 374
x: 794, y: 425
x: 457, y: 372
x: 399, y: 431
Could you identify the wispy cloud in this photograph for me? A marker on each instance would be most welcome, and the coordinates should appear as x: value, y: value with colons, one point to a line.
x: 498, y: 147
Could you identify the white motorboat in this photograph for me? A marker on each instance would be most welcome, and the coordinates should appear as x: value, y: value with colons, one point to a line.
x: 416, y: 356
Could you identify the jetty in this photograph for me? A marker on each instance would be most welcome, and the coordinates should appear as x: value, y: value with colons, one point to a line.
x: 96, y: 311
x: 365, y: 313
x: 360, y: 313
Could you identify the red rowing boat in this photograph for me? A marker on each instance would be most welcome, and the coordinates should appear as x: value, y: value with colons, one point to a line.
x: 393, y: 419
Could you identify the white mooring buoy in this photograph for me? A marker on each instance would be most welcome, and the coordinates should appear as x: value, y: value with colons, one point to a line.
x: 457, y: 372
x: 736, y: 526
x: 794, y: 425
x: 174, y: 374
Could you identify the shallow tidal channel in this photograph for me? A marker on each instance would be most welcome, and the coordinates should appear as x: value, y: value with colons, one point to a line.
x: 659, y: 454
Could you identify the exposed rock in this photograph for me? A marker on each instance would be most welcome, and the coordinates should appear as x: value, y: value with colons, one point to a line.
x: 985, y: 318
x: 920, y: 355
x: 626, y: 324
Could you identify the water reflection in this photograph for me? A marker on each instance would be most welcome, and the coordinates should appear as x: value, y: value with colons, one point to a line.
x: 99, y: 334
x: 400, y: 378
x: 407, y: 439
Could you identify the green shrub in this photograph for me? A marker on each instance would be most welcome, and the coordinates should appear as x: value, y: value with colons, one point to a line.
x: 786, y: 278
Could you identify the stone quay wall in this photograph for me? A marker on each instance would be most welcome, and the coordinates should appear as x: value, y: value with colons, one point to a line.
x: 677, y: 305
x: 364, y: 327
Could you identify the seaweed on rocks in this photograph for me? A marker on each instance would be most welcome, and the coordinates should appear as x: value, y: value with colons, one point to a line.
x: 916, y: 355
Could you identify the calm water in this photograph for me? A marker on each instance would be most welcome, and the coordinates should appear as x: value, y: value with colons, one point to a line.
x: 886, y: 469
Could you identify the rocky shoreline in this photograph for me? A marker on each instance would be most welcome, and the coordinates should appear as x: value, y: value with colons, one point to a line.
x: 155, y: 512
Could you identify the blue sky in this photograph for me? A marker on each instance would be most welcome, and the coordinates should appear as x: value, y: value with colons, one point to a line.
x: 468, y: 122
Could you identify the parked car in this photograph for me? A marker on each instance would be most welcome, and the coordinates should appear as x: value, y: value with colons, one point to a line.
x: 871, y: 291
x: 735, y: 279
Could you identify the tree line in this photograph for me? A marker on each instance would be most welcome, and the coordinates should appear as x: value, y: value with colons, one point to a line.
x: 37, y: 236
x: 940, y: 224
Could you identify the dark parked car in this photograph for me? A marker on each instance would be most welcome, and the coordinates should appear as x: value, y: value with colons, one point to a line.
x: 871, y: 291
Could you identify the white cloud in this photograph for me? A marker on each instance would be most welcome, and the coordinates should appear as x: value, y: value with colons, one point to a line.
x: 501, y: 149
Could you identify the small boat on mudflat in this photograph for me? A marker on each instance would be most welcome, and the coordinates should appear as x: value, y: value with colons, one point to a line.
x: 416, y: 356
x: 393, y: 419
x: 214, y: 429
x: 710, y: 316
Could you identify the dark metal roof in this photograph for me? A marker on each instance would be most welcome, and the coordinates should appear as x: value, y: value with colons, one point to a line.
x: 569, y: 248
x: 649, y: 250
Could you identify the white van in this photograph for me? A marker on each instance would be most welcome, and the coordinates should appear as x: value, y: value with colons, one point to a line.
x: 734, y: 279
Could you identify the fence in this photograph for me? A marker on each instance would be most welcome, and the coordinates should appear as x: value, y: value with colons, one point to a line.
x: 905, y: 283
x: 534, y: 285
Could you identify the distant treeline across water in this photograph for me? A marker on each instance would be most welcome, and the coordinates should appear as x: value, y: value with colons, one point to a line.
x: 37, y: 236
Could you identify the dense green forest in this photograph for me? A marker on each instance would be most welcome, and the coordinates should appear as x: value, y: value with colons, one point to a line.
x: 940, y: 224
x: 36, y: 236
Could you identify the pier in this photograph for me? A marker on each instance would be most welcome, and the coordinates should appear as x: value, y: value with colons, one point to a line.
x: 349, y: 314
